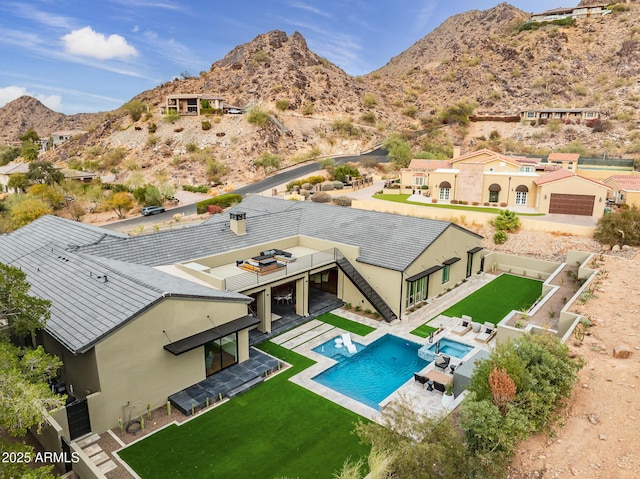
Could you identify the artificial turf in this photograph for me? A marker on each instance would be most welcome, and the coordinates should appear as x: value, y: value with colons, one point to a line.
x: 346, y: 324
x: 277, y: 429
x: 493, y: 301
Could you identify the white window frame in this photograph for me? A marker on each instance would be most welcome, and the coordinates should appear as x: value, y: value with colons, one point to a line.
x: 521, y: 198
x: 418, y: 180
x: 445, y: 194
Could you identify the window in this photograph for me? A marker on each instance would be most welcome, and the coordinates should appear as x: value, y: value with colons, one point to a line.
x: 469, y: 263
x: 531, y: 114
x: 418, y: 180
x: 445, y: 273
x: 557, y: 115
x: 544, y: 115
x: 417, y: 291
x: 493, y: 196
x: 526, y: 169
x: 589, y: 114
x: 521, y: 198
x: 445, y: 194
x: 220, y: 353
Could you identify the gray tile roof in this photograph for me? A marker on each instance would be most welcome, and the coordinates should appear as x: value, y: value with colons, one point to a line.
x: 51, y: 229
x: 386, y: 240
x: 91, y: 297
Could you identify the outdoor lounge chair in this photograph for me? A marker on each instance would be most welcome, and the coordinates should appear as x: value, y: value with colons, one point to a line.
x: 463, y: 328
x: 442, y: 362
x: 438, y: 386
x: 489, y: 331
x: 421, y: 379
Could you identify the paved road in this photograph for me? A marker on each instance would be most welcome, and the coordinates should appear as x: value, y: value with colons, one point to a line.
x: 267, y: 184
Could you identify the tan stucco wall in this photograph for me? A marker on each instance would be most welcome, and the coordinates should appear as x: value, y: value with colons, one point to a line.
x: 471, y: 176
x: 134, y: 367
x: 573, y: 186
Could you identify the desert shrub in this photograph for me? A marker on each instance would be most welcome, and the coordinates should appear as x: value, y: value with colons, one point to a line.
x: 268, y: 161
x: 282, y: 105
x: 342, y: 201
x: 328, y: 186
x: 321, y: 197
x: 215, y: 168
x: 475, y: 203
x: 506, y: 221
x: 152, y: 140
x: 196, y: 188
x: 304, y: 193
x: 112, y: 158
x: 148, y: 195
x: 369, y: 100
x: 499, y: 237
x: 307, y: 108
x: 464, y: 202
x: 257, y: 116
x: 454, y: 202
x: 619, y: 227
x: 458, y: 113
x: 368, y: 117
x: 410, y: 111
x: 338, y: 185
x: 306, y: 186
x: 191, y: 147
x: 224, y: 201
x: 171, y: 116
x: 341, y: 172
x: 206, y: 125
x: 135, y: 109
x: 313, y: 180
x: 152, y: 127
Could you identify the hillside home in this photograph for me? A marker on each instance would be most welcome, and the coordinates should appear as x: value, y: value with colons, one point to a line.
x: 22, y: 168
x: 567, y: 115
x: 625, y: 189
x: 577, y: 13
x: 190, y: 103
x: 485, y: 177
x: 139, y: 319
x: 57, y: 138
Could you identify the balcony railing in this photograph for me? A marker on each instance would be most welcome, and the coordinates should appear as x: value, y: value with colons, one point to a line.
x: 246, y: 280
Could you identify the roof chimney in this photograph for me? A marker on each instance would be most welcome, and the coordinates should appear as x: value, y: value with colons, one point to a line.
x: 456, y: 151
x: 238, y: 223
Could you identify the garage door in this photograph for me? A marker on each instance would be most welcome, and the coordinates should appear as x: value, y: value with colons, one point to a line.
x: 571, y: 204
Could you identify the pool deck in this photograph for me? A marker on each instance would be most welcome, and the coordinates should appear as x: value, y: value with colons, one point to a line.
x: 303, y: 339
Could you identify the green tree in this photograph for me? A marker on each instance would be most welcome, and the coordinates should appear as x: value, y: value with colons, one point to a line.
x: 47, y: 193
x: 458, y: 113
x: 398, y: 150
x: 24, y: 209
x: 8, y: 154
x: 24, y: 391
x: 30, y: 135
x: 120, y: 203
x: 257, y: 116
x: 619, y: 227
x: 44, y: 172
x: 18, y: 182
x: 29, y: 150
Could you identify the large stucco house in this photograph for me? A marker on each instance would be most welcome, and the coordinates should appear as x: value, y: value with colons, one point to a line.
x: 485, y: 177
x: 625, y: 189
x: 137, y: 319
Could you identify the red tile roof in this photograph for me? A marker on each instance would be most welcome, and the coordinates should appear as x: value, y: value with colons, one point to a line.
x: 563, y: 174
x: 627, y: 182
x: 563, y: 157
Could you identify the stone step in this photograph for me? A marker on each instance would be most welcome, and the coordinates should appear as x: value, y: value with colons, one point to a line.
x: 88, y: 440
x: 107, y: 466
x: 92, y: 450
x: 99, y: 458
x: 245, y: 387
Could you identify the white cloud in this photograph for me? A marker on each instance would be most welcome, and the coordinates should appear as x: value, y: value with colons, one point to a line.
x: 89, y: 43
x: 10, y: 93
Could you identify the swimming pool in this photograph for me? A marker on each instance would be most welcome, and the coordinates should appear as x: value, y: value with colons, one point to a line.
x: 330, y: 350
x: 372, y: 374
x: 451, y: 348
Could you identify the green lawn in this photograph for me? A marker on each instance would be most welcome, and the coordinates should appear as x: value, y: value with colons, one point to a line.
x: 346, y: 324
x: 493, y: 301
x: 274, y: 430
x: 404, y: 199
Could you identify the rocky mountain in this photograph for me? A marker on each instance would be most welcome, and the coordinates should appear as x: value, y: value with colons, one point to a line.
x: 26, y: 112
x: 491, y: 60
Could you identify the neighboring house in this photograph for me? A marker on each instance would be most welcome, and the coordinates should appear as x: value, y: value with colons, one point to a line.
x: 565, y: 192
x: 190, y: 103
x: 625, y: 189
x: 485, y: 177
x: 579, y: 12
x: 22, y: 168
x: 567, y: 115
x: 9, y: 170
x: 57, y: 138
x: 133, y: 318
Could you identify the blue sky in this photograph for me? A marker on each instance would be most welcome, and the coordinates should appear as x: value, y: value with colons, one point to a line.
x: 80, y: 56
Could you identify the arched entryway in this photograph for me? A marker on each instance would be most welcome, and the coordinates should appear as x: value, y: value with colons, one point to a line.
x: 444, y: 191
x: 522, y: 192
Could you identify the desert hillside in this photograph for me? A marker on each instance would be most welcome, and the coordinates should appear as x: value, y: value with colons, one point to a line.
x: 488, y: 61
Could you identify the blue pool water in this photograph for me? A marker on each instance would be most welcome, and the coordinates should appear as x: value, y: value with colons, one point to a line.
x: 374, y: 373
x: 330, y: 350
x: 451, y: 348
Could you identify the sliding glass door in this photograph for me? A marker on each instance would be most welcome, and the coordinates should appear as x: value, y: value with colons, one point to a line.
x: 221, y: 353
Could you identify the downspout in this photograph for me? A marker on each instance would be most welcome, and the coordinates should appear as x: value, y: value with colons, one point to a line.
x: 401, y: 285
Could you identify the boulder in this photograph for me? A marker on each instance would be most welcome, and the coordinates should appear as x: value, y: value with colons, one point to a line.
x: 615, y: 247
x: 622, y: 351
